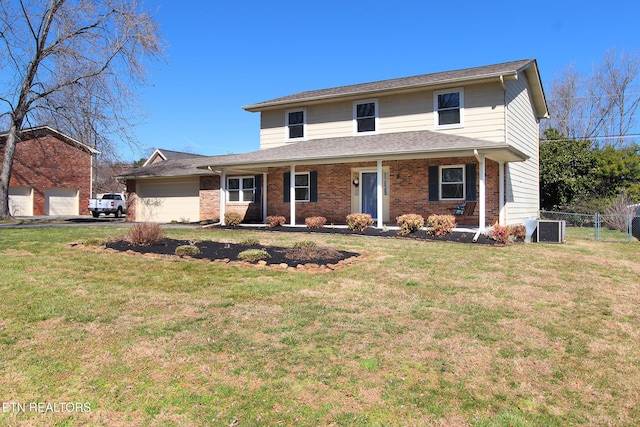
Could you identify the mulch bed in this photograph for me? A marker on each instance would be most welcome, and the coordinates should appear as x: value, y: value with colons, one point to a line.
x: 279, y: 256
x: 456, y: 236
x: 213, y: 251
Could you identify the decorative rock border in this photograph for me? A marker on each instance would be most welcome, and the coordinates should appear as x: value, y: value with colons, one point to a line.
x: 261, y: 264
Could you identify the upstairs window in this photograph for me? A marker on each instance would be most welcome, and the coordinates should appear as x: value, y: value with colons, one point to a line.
x: 452, y: 182
x: 295, y: 123
x: 241, y: 189
x: 448, y: 108
x: 365, y: 116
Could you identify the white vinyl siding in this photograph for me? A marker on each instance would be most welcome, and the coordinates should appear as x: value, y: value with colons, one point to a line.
x: 523, y: 198
x: 484, y: 116
x: 168, y: 200
x: 61, y: 201
x: 21, y: 201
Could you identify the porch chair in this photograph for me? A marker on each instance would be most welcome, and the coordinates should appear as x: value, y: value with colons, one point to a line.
x: 464, y: 213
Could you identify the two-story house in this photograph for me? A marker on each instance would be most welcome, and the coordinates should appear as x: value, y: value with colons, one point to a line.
x: 422, y: 144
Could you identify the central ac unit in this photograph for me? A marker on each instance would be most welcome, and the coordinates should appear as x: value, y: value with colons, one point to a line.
x: 549, y: 231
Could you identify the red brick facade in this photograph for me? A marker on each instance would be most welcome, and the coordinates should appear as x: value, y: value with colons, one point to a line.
x: 408, y: 192
x: 50, y: 163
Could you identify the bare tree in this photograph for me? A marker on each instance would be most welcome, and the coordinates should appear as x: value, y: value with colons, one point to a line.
x: 616, y: 84
x: 75, y: 63
x: 601, y: 105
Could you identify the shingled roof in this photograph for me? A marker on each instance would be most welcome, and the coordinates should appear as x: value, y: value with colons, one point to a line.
x: 387, y: 146
x: 505, y: 70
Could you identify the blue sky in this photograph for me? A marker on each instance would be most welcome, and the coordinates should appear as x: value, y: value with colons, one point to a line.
x: 224, y: 55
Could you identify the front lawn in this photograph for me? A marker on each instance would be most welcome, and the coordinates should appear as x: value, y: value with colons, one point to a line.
x: 416, y: 333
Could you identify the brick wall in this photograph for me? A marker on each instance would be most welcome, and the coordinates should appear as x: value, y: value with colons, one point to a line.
x: 408, y: 190
x: 132, y: 200
x: 210, y: 198
x: 46, y: 163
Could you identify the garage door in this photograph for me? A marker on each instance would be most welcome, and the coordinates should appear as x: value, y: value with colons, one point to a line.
x: 21, y: 201
x: 61, y: 201
x: 168, y: 200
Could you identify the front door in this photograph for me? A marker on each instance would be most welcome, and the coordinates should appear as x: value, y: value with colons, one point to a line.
x: 369, y: 199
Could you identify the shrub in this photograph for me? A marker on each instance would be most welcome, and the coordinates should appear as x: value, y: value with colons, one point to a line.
x: 359, y: 221
x: 233, y: 218
x: 249, y: 242
x: 310, y: 253
x: 145, y: 233
x: 439, y: 225
x: 253, y: 255
x: 617, y: 214
x: 275, y: 221
x: 517, y: 232
x: 187, y: 250
x: 409, y: 223
x: 315, y: 221
x: 499, y: 233
x: 305, y: 244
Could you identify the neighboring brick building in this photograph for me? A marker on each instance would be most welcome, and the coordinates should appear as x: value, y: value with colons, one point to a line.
x: 51, y: 174
x: 424, y: 144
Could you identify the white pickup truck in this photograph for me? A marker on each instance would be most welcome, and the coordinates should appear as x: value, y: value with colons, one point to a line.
x: 110, y: 203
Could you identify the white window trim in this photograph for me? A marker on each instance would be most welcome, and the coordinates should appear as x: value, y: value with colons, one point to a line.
x: 240, y: 189
x: 464, y: 181
x: 376, y: 116
x: 436, y: 116
x: 304, y: 124
x: 308, y: 186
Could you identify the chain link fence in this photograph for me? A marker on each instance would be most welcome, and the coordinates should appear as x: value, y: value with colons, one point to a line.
x: 599, y: 227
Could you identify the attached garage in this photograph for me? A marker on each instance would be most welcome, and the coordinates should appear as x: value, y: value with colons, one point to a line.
x: 168, y: 200
x: 21, y: 201
x: 61, y: 201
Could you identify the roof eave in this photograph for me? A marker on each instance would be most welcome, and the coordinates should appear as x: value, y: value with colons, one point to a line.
x: 504, y: 153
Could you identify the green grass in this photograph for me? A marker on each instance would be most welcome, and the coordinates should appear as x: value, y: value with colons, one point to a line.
x: 417, y: 333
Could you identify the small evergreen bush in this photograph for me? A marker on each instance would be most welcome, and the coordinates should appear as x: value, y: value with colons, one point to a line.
x: 249, y: 242
x: 315, y: 221
x: 187, y: 250
x: 274, y: 221
x: 233, y: 218
x: 409, y: 223
x: 439, y: 225
x: 253, y: 255
x: 305, y: 244
x: 145, y: 233
x: 359, y: 221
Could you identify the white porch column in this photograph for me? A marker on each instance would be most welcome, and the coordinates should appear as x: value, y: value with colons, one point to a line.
x: 380, y: 196
x: 483, y: 201
x: 292, y: 195
x: 501, y: 194
x: 264, y: 197
x: 223, y: 196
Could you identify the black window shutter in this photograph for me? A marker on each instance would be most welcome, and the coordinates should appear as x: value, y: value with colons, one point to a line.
x: 313, y: 186
x: 470, y: 175
x: 257, y: 195
x: 287, y: 183
x: 434, y: 193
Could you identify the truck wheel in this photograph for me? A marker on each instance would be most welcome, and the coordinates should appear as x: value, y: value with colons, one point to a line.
x: 118, y: 213
x: 95, y: 214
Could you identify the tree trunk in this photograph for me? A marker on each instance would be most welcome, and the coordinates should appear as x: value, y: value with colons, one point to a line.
x: 5, y: 174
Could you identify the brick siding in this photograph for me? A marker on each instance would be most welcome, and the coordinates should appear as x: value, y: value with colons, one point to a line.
x: 408, y: 190
x: 46, y: 163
